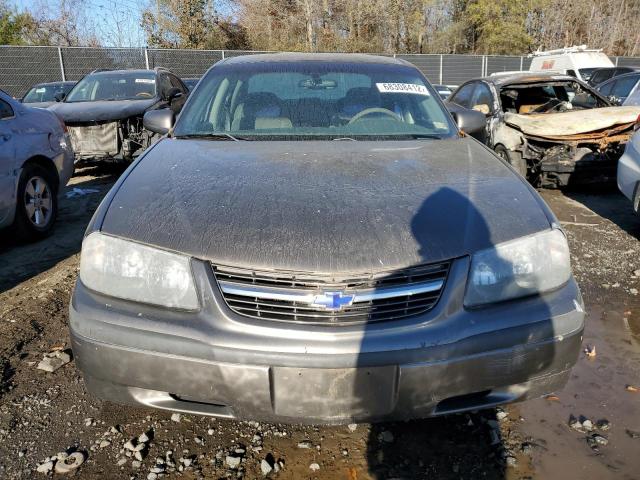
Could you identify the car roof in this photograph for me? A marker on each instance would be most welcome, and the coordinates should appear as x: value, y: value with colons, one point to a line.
x: 524, y: 78
x: 315, y: 57
x: 123, y: 71
x: 619, y: 67
x: 618, y: 77
x: 60, y: 82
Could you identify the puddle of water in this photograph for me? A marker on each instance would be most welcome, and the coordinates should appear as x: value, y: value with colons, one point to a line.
x: 596, y: 390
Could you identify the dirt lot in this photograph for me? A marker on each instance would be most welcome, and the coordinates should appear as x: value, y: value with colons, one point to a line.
x: 42, y: 413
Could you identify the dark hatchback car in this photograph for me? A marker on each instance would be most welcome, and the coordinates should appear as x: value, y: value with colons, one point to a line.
x: 43, y: 95
x: 316, y: 241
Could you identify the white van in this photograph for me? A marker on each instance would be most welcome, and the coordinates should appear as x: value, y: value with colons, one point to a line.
x: 578, y: 61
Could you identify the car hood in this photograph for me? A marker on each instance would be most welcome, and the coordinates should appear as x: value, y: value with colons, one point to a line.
x: 101, y: 111
x: 323, y: 206
x: 555, y: 125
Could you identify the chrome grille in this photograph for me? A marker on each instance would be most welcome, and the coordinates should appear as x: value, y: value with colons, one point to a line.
x: 294, y: 296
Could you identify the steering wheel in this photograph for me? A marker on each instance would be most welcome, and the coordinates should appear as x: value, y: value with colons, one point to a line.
x: 369, y: 111
x: 143, y: 94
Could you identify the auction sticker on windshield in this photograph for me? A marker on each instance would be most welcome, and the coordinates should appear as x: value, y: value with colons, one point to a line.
x: 402, y: 88
x: 145, y: 80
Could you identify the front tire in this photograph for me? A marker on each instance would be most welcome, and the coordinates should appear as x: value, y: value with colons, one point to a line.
x: 36, y: 203
x: 514, y: 159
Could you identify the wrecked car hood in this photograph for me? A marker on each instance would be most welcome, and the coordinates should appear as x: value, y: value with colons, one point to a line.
x: 323, y: 206
x: 554, y: 125
x: 101, y: 111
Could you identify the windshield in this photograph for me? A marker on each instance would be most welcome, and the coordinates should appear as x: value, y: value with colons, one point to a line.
x: 45, y: 93
x: 114, y: 86
x: 311, y: 100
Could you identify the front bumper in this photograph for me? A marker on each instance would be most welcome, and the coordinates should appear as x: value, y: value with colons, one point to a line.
x: 217, y: 363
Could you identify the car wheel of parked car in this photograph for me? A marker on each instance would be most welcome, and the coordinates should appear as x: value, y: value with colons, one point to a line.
x: 37, y: 205
x: 513, y: 158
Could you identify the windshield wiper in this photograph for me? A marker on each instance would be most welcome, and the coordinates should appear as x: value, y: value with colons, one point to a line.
x: 212, y: 136
x: 424, y: 135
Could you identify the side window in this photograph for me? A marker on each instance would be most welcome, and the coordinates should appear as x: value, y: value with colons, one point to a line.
x: 482, y: 99
x: 606, y: 88
x: 463, y: 96
x: 5, y: 109
x: 624, y: 86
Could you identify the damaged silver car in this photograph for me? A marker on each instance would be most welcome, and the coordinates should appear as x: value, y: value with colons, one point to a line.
x: 553, y: 129
x: 104, y: 111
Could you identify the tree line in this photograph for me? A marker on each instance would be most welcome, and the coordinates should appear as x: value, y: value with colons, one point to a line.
x: 386, y: 26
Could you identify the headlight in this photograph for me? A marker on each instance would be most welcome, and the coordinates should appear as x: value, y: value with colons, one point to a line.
x: 526, y: 266
x: 132, y: 271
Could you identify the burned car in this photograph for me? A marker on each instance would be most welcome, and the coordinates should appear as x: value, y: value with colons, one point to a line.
x: 104, y: 110
x: 553, y: 129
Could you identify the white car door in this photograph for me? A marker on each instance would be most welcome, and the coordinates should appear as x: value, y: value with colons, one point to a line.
x: 7, y: 161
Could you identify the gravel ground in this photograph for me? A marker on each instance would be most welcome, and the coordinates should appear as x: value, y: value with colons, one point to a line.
x: 591, y: 428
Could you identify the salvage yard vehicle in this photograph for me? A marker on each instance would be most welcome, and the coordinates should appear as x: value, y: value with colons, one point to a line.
x: 553, y: 129
x: 316, y: 241
x: 623, y: 90
x: 43, y: 95
x: 104, y: 111
x: 577, y: 61
x: 629, y: 170
x: 601, y: 75
x: 36, y: 162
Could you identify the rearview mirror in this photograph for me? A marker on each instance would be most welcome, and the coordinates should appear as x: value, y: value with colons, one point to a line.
x: 158, y: 121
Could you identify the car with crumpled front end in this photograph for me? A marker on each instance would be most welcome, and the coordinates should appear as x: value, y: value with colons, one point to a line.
x: 104, y: 111
x: 315, y: 240
x: 553, y: 129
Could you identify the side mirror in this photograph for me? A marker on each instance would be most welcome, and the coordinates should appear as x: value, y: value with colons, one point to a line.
x: 174, y: 92
x: 59, y: 96
x: 158, y: 121
x: 469, y: 121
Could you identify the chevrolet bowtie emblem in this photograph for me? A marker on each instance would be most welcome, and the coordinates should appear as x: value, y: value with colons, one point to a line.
x: 332, y: 300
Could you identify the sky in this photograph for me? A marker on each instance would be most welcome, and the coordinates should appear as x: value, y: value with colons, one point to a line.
x: 115, y: 21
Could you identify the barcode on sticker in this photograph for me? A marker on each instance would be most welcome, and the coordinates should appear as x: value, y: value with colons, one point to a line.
x: 402, y: 88
x: 145, y: 80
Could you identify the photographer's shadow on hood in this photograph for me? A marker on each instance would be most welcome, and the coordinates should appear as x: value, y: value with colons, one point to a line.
x: 460, y: 444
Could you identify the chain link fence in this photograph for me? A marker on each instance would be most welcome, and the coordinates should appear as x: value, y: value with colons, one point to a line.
x: 21, y: 67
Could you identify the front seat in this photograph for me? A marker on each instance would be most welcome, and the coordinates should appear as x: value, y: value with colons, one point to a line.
x: 260, y: 110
